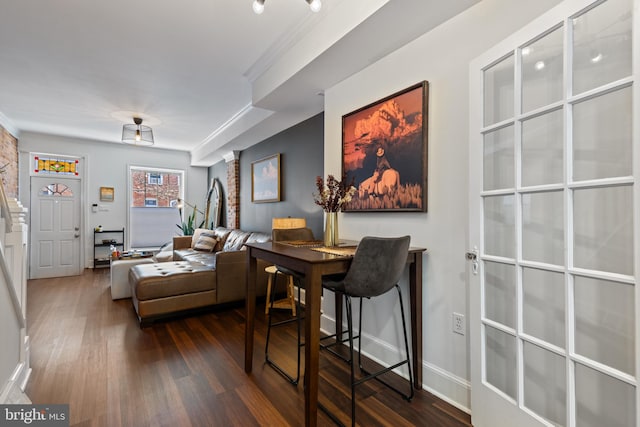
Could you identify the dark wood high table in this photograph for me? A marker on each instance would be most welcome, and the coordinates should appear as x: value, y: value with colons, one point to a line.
x: 314, y: 265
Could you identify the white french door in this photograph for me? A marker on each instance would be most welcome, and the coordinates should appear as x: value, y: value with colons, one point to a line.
x: 554, y: 219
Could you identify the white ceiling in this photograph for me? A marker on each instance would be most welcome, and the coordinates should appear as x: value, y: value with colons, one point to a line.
x: 209, y: 76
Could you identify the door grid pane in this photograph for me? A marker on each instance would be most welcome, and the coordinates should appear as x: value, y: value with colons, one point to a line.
x: 605, y: 322
x: 500, y: 293
x: 542, y: 71
x: 602, y: 136
x: 602, y: 45
x: 543, y: 309
x: 498, y: 159
x: 602, y: 400
x: 498, y: 91
x: 543, y: 228
x: 542, y: 152
x: 499, y: 223
x: 603, y: 229
x: 501, y: 361
x: 545, y: 388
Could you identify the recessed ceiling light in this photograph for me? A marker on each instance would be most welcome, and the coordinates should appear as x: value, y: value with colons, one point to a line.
x: 526, y: 51
x: 314, y: 5
x: 539, y: 65
x: 596, y: 58
x: 258, y: 6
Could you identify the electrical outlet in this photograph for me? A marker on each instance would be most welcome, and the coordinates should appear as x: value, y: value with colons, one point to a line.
x: 458, y: 323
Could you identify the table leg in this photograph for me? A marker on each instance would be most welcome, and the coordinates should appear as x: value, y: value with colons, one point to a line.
x: 250, y: 313
x: 415, y: 291
x: 312, y: 344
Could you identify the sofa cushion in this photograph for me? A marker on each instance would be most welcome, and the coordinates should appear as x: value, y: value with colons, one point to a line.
x: 152, y: 281
x: 257, y: 237
x: 203, y: 258
x: 206, y: 242
x: 235, y: 240
x: 206, y: 259
x: 221, y: 233
x: 165, y: 253
x: 196, y: 235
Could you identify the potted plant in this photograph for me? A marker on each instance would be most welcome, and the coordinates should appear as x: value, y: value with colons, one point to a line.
x: 188, y: 225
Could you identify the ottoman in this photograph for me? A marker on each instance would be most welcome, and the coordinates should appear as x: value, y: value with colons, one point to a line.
x: 162, y: 289
x: 120, y: 276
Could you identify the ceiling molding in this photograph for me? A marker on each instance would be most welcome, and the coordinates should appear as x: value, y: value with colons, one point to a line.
x: 247, y: 118
x: 231, y: 156
x: 317, y: 40
x: 9, y: 126
x: 285, y: 42
x: 226, y: 125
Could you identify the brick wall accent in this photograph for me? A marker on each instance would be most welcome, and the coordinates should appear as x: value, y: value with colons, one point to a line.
x: 9, y: 160
x: 164, y: 193
x: 233, y: 193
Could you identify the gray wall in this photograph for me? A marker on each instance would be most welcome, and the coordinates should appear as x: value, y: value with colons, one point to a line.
x: 301, y: 160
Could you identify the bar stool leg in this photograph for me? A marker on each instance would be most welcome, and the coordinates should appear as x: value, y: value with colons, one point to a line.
x: 269, y: 283
x: 291, y: 295
x: 270, y: 324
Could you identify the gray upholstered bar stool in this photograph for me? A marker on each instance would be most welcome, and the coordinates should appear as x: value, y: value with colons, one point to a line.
x: 377, y: 266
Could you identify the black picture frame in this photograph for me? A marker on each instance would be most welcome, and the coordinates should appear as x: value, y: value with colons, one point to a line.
x: 384, y: 152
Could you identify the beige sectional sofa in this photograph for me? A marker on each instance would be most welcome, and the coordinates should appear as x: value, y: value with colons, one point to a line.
x: 196, y: 278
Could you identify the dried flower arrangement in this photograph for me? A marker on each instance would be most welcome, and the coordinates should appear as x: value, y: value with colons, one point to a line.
x: 334, y: 194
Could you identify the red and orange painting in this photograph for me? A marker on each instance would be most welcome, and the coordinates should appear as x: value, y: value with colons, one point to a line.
x: 384, y: 152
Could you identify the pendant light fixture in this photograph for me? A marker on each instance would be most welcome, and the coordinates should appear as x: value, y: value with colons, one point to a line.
x: 137, y: 133
x: 314, y: 5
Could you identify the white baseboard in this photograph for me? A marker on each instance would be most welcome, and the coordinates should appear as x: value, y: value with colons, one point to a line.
x: 447, y: 386
x: 437, y: 381
x: 27, y: 363
x: 13, y: 393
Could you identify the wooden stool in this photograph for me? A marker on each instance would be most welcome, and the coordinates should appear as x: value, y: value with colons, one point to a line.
x: 286, y: 303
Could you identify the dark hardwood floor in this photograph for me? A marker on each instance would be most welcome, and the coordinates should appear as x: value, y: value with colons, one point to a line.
x: 88, y: 351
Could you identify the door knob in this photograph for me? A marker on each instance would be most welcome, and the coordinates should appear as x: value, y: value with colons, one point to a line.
x: 472, y: 256
x: 76, y: 235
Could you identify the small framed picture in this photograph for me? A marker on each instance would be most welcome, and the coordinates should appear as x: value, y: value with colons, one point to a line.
x: 265, y: 179
x: 106, y: 194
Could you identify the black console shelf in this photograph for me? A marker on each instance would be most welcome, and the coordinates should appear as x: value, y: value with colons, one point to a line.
x: 101, y: 257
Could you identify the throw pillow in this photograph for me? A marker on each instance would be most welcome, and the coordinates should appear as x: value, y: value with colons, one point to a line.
x: 206, y: 242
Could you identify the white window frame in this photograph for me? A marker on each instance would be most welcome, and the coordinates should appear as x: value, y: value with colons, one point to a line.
x: 149, y: 171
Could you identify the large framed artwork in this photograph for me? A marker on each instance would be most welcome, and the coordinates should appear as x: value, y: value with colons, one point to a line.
x: 384, y: 153
x: 265, y: 179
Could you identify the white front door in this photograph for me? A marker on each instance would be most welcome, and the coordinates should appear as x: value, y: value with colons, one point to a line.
x: 554, y: 216
x: 55, y: 227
